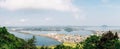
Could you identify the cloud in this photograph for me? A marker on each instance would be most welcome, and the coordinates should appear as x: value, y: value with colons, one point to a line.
x: 22, y: 20
x: 61, y: 5
x: 80, y: 17
x: 16, y: 22
x: 48, y: 19
x: 105, y: 1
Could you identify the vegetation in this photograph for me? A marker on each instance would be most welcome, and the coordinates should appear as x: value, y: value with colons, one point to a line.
x: 9, y: 41
x: 108, y: 40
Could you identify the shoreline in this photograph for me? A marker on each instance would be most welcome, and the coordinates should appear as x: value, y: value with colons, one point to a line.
x: 60, y: 37
x: 65, y: 37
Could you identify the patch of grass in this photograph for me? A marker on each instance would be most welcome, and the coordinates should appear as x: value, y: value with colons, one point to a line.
x: 52, y: 47
x: 70, y: 44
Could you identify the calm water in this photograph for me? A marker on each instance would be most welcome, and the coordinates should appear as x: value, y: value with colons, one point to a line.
x: 40, y: 41
x: 82, y: 32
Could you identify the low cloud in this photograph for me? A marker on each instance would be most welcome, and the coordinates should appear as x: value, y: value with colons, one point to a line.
x: 22, y: 20
x: 60, y: 5
x: 105, y: 1
x: 48, y: 19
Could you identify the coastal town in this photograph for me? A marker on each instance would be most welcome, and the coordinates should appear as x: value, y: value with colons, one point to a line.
x: 65, y: 37
x: 60, y: 37
x: 68, y: 37
x: 72, y: 38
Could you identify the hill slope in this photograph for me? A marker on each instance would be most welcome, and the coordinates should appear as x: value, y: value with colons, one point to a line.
x: 9, y: 41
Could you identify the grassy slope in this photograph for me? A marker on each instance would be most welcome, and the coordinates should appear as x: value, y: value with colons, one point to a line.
x: 9, y: 41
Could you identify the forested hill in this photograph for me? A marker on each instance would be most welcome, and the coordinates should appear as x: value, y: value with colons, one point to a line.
x: 9, y: 41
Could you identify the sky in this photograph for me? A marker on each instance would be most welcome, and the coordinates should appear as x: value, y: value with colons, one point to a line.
x: 59, y: 12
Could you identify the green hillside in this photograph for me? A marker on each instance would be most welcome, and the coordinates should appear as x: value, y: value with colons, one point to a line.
x: 108, y: 40
x: 9, y: 41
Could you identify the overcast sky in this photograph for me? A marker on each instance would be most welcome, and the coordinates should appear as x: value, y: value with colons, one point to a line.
x: 59, y: 12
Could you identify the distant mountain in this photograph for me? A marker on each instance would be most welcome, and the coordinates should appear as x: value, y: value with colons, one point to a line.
x: 104, y: 26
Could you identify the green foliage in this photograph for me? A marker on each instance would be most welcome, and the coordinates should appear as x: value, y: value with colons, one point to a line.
x: 78, y: 46
x: 62, y: 47
x: 31, y: 42
x: 116, y: 36
x: 91, y: 42
x: 45, y: 47
x: 9, y: 41
x: 3, y: 30
x: 106, y: 41
x: 117, y: 44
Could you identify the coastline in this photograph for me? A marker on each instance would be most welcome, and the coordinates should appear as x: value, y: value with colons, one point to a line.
x: 65, y: 37
x: 60, y: 37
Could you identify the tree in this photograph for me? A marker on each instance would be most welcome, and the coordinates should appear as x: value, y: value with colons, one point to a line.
x: 116, y: 36
x: 30, y: 44
x: 108, y: 40
x: 62, y: 47
x: 59, y: 46
x: 78, y: 47
x: 91, y: 42
x: 42, y: 47
x: 9, y: 41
